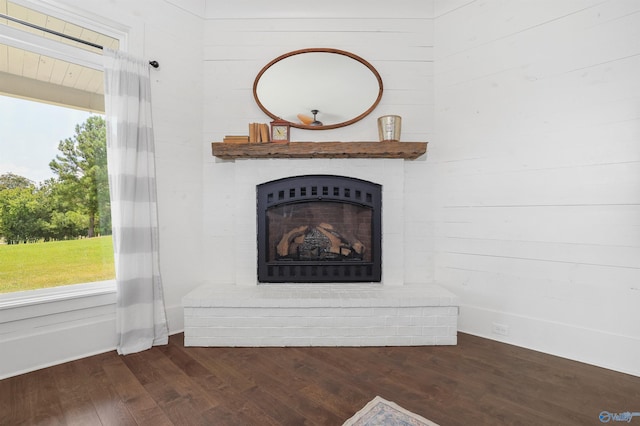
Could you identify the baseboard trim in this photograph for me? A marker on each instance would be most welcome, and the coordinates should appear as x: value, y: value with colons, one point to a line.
x: 595, y: 347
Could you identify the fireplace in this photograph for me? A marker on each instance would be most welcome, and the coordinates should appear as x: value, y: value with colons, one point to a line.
x: 234, y: 309
x: 319, y: 229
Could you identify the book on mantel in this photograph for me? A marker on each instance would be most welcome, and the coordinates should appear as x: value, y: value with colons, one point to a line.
x: 236, y: 139
x: 258, y: 133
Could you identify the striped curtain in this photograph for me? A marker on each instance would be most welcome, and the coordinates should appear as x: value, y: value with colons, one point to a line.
x: 140, y: 317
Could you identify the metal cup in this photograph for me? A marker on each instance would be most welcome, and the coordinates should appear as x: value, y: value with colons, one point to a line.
x: 389, y: 128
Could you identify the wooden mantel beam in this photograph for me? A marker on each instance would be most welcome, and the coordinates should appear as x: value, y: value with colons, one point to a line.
x: 405, y: 150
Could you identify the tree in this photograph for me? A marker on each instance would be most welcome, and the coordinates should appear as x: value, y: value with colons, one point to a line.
x: 11, y: 181
x: 65, y: 219
x: 19, y: 210
x: 23, y: 216
x: 82, y: 171
x: 67, y: 225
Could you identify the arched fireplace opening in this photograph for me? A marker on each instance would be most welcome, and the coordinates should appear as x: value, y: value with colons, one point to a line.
x: 319, y: 229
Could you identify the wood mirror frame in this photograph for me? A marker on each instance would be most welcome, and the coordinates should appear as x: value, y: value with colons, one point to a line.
x: 280, y: 114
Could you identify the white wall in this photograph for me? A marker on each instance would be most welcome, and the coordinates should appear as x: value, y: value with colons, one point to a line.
x: 538, y: 173
x: 243, y: 36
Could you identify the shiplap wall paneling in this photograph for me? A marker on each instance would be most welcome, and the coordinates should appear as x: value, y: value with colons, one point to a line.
x: 240, y: 40
x: 537, y: 166
x: 400, y: 49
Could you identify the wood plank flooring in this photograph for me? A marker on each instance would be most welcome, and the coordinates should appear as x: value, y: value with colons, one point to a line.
x: 477, y: 382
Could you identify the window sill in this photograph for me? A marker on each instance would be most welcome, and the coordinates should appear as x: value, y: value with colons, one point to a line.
x: 35, y: 303
x: 40, y: 328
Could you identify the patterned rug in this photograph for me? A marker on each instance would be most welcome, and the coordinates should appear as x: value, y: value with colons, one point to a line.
x: 380, y: 412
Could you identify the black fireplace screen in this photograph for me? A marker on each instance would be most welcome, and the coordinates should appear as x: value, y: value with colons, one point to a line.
x: 319, y: 228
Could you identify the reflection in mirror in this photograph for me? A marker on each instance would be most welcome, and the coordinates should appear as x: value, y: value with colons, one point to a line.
x: 318, y: 88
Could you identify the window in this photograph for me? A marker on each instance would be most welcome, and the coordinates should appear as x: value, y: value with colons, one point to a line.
x: 46, y: 67
x: 54, y: 229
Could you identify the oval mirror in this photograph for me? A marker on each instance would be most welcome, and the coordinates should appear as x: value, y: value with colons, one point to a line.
x: 318, y: 88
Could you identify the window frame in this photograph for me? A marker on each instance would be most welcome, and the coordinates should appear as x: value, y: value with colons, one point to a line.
x: 76, y: 17
x: 23, y: 305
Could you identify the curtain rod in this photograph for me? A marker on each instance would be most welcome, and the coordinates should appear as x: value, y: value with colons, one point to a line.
x: 154, y: 64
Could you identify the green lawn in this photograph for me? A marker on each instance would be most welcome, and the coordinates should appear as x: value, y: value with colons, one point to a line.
x: 41, y: 265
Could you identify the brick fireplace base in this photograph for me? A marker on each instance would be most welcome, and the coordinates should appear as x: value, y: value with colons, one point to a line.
x: 320, y: 315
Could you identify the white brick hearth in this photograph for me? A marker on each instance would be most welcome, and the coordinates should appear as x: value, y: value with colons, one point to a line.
x: 237, y: 311
x: 320, y: 315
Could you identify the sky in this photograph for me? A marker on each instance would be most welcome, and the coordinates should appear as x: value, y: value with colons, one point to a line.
x: 30, y: 133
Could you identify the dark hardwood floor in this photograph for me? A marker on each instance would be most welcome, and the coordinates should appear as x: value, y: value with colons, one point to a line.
x: 477, y: 382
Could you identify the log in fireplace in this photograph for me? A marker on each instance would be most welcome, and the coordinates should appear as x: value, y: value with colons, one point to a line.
x: 319, y: 229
